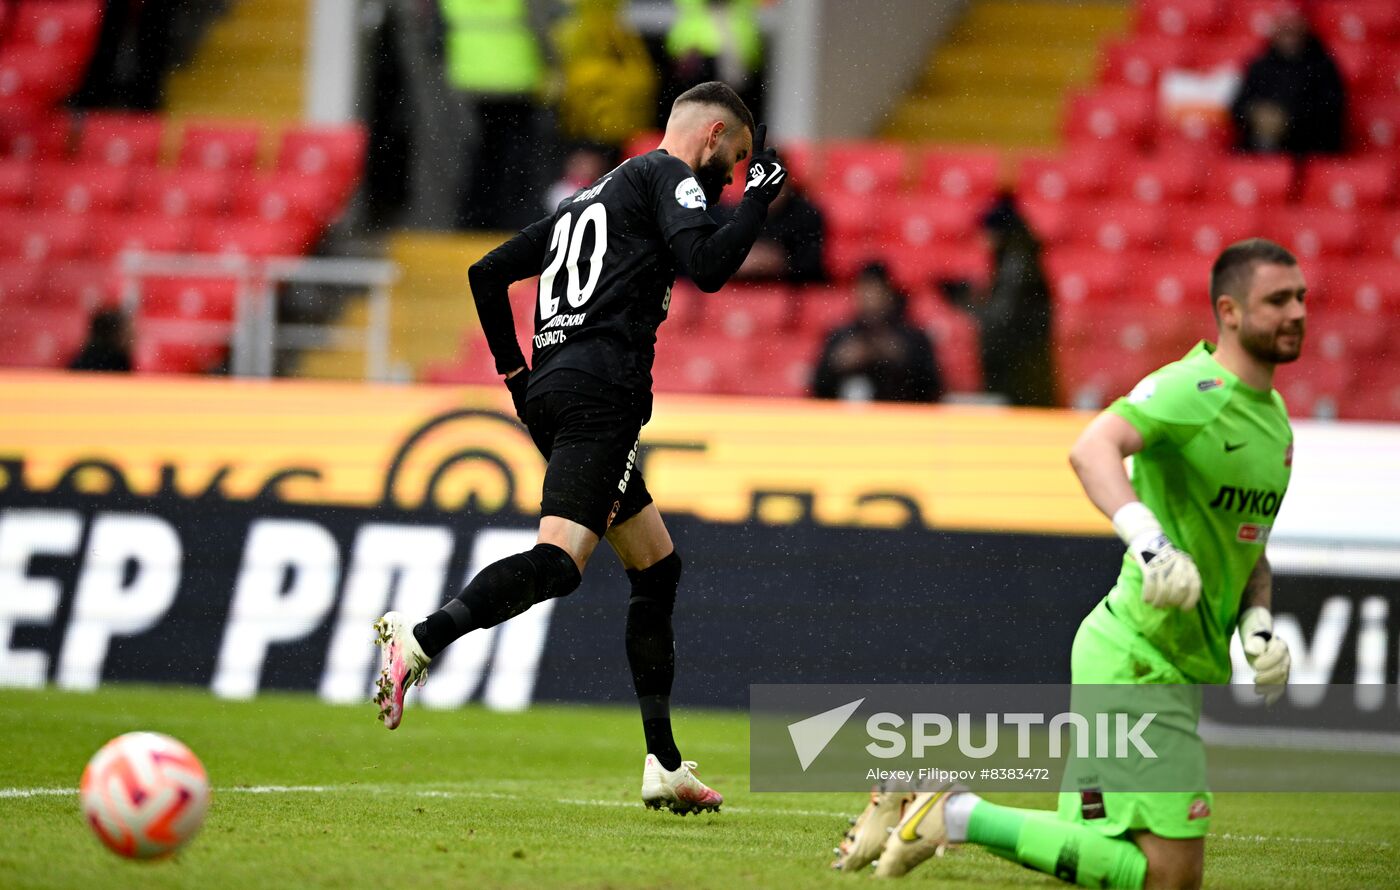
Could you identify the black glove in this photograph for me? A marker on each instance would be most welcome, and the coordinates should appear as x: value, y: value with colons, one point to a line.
x: 766, y: 171
x: 517, y: 386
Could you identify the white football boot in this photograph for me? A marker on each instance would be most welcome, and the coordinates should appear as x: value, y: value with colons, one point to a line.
x: 679, y: 790
x: 401, y: 664
x: 863, y: 843
x: 921, y: 833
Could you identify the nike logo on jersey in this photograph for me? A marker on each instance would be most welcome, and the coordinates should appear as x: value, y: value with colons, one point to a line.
x: 1229, y: 447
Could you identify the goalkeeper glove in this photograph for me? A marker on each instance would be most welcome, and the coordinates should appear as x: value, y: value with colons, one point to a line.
x: 766, y: 172
x: 1170, y: 578
x: 1266, y: 653
x: 517, y: 384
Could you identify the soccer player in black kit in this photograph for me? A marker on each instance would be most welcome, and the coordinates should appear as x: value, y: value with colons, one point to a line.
x: 607, y: 259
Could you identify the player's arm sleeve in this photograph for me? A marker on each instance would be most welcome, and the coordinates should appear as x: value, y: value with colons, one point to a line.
x: 491, y: 277
x: 706, y: 253
x: 1169, y: 407
x: 711, y: 257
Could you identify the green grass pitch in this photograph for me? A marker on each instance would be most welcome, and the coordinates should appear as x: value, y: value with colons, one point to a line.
x: 314, y: 795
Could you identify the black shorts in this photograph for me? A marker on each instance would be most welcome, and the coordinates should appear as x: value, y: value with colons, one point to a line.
x: 588, y: 432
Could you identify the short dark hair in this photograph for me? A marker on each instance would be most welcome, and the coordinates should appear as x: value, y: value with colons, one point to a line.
x: 1233, y: 271
x: 716, y: 93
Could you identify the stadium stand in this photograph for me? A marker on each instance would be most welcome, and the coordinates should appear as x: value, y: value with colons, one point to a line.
x: 78, y: 190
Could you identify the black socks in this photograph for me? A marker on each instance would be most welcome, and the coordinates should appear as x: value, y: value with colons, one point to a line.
x: 651, y: 652
x: 499, y: 592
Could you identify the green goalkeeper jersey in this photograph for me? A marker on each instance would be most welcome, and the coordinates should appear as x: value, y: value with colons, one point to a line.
x: 1214, y: 467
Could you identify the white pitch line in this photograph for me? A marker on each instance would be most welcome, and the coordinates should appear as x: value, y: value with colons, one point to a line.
x: 21, y: 793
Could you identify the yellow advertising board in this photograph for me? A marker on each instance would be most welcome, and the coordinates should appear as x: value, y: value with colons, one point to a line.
x: 724, y: 460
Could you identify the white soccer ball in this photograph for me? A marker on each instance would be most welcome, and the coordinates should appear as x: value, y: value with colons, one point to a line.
x: 144, y: 794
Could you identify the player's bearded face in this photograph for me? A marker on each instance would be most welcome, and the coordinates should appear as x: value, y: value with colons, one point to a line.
x: 1274, y: 321
x: 714, y: 175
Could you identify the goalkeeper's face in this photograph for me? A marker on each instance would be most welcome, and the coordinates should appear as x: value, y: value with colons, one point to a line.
x: 1272, y: 319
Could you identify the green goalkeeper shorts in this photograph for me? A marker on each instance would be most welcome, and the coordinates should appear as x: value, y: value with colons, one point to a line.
x: 1107, y: 652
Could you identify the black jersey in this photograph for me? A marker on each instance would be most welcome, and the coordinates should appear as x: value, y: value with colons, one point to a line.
x: 606, y: 282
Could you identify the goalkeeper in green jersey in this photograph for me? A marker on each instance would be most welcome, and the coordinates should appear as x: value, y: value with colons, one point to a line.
x: 1211, y: 456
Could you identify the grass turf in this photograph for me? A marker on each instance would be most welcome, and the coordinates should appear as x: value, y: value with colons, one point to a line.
x: 315, y: 795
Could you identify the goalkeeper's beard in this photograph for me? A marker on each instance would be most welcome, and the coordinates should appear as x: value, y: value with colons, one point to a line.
x: 1264, y: 345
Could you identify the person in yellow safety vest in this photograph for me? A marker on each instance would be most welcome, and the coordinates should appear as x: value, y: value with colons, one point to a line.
x: 716, y: 40
x: 493, y: 58
x: 608, y: 82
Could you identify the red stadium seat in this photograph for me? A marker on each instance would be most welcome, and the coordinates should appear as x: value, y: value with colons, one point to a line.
x: 81, y: 189
x: 32, y: 77
x: 1356, y: 21
x: 1061, y: 177
x: 1085, y: 275
x: 1249, y: 182
x: 212, y: 299
x: 1232, y: 51
x: 1354, y: 62
x: 121, y: 140
x: 40, y: 338
x: 1314, y: 231
x: 39, y: 237
x: 1375, y: 122
x: 220, y: 146
x: 334, y: 155
x: 696, y: 364
x: 1381, y: 236
x: 82, y: 285
x: 1350, y: 183
x: 1376, y: 395
x: 1170, y: 281
x: 845, y: 259
x: 851, y: 218
x: 741, y: 311
x: 1177, y: 18
x: 116, y: 233
x: 1118, y: 225
x: 19, y: 283
x: 821, y: 311
x: 254, y: 237
x: 1052, y: 221
x: 956, y: 345
x: 1138, y: 62
x: 1209, y: 229
x: 282, y: 195
x: 51, y: 24
x: 863, y: 168
x: 781, y: 367
x: 34, y: 136
x: 153, y: 355
x: 1383, y: 78
x: 960, y: 175
x: 919, y: 221
x: 1118, y: 114
x: 1164, y: 179
x: 1256, y: 17
x: 180, y: 192
x: 1315, y: 384
x: 915, y: 269
x: 1366, y: 287
x: 16, y: 179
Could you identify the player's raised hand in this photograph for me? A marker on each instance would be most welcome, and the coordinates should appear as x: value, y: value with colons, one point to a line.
x: 1266, y: 653
x: 766, y: 171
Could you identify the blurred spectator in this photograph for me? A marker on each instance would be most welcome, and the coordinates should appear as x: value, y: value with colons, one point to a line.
x: 135, y: 50
x: 108, y: 345
x: 1013, y: 313
x: 608, y: 81
x: 583, y: 167
x: 879, y: 356
x: 714, y: 40
x: 1292, y: 98
x: 493, y: 58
